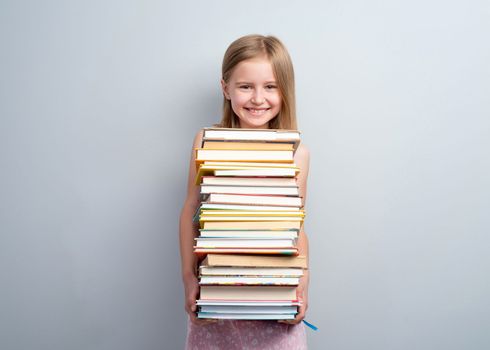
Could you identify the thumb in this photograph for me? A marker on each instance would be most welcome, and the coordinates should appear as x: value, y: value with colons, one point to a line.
x: 299, y: 293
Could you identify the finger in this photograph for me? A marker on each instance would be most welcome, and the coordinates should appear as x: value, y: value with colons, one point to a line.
x: 203, y: 321
x: 189, y: 308
x: 196, y: 320
x: 297, y: 319
x: 191, y: 302
x: 300, y: 315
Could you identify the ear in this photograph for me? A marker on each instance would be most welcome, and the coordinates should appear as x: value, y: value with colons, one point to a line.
x: 224, y: 88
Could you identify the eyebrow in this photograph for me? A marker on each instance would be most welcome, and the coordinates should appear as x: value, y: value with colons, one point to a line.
x: 246, y: 82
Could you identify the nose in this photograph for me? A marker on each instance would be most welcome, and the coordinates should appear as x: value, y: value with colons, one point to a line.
x: 258, y: 96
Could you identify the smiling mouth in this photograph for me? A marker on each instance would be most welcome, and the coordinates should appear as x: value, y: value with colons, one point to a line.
x: 257, y: 111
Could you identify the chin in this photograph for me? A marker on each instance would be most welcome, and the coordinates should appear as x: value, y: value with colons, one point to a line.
x: 261, y: 122
x: 264, y: 124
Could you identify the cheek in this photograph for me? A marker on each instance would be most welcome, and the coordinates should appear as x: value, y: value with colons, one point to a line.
x: 238, y: 100
x: 277, y: 101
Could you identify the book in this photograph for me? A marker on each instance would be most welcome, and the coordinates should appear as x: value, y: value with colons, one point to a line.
x: 242, y: 207
x: 245, y: 169
x: 291, y: 234
x: 246, y: 250
x: 244, y: 155
x: 258, y: 242
x: 250, y: 222
x: 221, y: 144
x: 286, y: 172
x: 250, y: 216
x: 250, y: 271
x: 248, y: 293
x: 248, y: 280
x: 235, y: 164
x: 254, y: 261
x: 262, y: 135
x: 248, y: 309
x: 223, y: 206
x: 249, y: 303
x: 255, y: 190
x: 252, y: 199
x: 249, y: 181
x: 245, y: 213
x: 251, y: 225
x: 227, y: 316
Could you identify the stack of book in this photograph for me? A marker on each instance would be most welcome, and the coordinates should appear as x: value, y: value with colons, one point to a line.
x: 250, y: 204
x: 249, y: 286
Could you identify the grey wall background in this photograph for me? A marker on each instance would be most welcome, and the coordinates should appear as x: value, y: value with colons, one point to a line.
x: 100, y: 100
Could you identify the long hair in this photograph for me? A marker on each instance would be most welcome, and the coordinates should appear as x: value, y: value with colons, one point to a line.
x: 252, y: 46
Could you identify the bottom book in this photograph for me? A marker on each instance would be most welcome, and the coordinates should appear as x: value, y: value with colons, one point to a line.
x: 247, y: 303
x: 239, y: 309
x: 248, y: 310
x: 245, y: 316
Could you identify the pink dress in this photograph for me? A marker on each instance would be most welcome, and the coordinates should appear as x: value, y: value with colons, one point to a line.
x: 249, y: 335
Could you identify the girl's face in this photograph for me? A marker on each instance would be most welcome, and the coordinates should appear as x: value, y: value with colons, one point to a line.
x: 253, y: 93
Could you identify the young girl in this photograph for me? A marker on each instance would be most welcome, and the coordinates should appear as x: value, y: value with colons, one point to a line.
x: 258, y: 89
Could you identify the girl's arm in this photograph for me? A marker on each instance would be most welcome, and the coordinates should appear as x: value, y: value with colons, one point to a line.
x: 188, y: 231
x: 302, y: 160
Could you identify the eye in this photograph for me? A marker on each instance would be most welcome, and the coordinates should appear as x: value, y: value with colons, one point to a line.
x: 244, y: 87
x: 271, y: 86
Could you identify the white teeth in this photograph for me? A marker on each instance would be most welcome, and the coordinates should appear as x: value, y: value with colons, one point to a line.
x: 257, y: 111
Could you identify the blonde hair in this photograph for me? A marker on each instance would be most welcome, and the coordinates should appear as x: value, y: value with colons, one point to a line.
x: 252, y: 46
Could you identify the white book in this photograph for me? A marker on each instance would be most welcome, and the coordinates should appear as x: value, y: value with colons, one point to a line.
x: 261, y: 303
x: 252, y: 293
x: 220, y: 206
x: 203, y: 154
x: 243, y: 243
x: 245, y: 316
x: 251, y: 134
x: 249, y: 199
x: 249, y: 280
x: 271, y: 234
x: 249, y: 309
x: 247, y: 250
x: 248, y: 181
x: 271, y: 190
x: 256, y: 172
x: 240, y: 164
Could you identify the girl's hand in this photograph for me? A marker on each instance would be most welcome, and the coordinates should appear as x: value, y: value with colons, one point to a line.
x: 302, y: 295
x: 191, y: 290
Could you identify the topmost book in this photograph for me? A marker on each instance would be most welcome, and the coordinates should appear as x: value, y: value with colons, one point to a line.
x: 255, y: 135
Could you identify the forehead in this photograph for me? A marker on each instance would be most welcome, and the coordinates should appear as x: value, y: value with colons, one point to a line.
x: 255, y: 69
